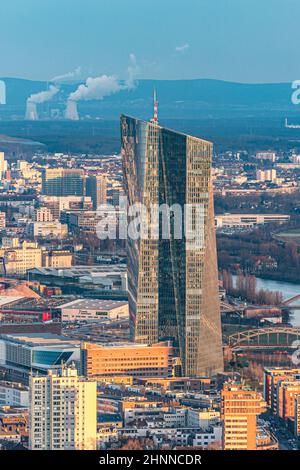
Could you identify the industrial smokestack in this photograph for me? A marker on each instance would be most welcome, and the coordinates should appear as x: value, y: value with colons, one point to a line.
x: 71, y: 110
x: 31, y: 111
x: 36, y: 98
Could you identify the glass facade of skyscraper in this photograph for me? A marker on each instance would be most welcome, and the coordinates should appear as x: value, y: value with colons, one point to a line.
x: 173, y: 285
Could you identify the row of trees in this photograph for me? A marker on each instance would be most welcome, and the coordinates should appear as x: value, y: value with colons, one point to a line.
x: 246, y: 288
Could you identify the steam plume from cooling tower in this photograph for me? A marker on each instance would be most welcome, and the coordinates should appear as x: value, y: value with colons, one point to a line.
x: 99, y: 87
x: 75, y: 73
x: 132, y: 71
x: 96, y: 88
x: 37, y: 98
x: 93, y: 89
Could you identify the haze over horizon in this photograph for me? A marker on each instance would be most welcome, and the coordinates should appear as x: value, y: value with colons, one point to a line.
x: 73, y: 39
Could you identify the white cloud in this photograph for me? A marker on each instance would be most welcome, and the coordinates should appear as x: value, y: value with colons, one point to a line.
x: 182, y: 48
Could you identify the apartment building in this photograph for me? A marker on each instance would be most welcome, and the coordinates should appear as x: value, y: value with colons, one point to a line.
x: 62, y: 411
x: 239, y: 410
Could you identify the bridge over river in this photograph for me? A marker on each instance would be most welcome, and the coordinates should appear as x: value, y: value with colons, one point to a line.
x: 278, y: 337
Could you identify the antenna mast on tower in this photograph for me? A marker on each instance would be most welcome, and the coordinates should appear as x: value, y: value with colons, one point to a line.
x: 155, y: 115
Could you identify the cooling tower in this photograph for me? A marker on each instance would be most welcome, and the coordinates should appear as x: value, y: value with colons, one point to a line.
x: 71, y: 110
x: 31, y: 111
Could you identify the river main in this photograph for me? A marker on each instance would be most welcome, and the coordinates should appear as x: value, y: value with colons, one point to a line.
x: 287, y: 289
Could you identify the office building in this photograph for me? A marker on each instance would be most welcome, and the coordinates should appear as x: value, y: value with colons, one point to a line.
x: 58, y: 204
x: 21, y: 353
x: 2, y: 220
x: 47, y: 229
x: 135, y: 360
x: 57, y: 258
x: 3, y: 165
x: 63, y: 182
x: 270, y: 156
x: 107, y: 276
x: 287, y: 391
x: 96, y: 188
x: 62, y: 411
x: 266, y: 175
x: 249, y: 220
x: 239, y: 410
x: 297, y: 416
x: 93, y: 310
x: 43, y: 214
x: 272, y: 376
x: 19, y: 259
x: 173, y: 285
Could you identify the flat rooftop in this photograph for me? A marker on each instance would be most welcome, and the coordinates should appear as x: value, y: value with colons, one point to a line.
x: 13, y: 385
x: 93, y: 304
x: 127, y: 345
x: 41, y: 339
x: 5, y: 299
x: 79, y: 271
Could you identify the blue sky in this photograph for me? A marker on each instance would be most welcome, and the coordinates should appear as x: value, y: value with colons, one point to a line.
x: 237, y: 40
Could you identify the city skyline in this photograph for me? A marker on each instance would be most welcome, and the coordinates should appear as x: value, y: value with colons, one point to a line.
x: 149, y: 231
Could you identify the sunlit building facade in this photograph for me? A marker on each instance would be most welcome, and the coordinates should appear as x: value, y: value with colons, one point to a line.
x: 133, y: 360
x: 63, y: 182
x: 239, y: 410
x: 62, y: 411
x: 173, y: 284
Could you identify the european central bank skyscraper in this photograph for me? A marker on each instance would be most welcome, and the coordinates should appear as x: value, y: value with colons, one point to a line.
x: 173, y: 287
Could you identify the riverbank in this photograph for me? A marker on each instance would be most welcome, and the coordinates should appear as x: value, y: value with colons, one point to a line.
x: 288, y: 289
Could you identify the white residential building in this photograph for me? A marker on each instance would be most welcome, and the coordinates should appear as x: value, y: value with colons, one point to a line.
x: 202, y: 418
x: 13, y: 394
x: 62, y: 411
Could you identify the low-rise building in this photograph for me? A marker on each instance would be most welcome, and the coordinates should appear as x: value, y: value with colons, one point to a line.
x: 2, y: 220
x: 202, y: 418
x: 174, y: 437
x: 19, y: 259
x: 13, y: 423
x: 268, y: 155
x: 53, y: 229
x: 23, y: 353
x: 138, y: 360
x: 43, y: 214
x: 249, y: 220
x: 93, y: 309
x: 13, y: 394
x: 57, y: 258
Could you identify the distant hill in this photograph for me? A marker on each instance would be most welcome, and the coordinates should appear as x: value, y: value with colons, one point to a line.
x: 189, y: 99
